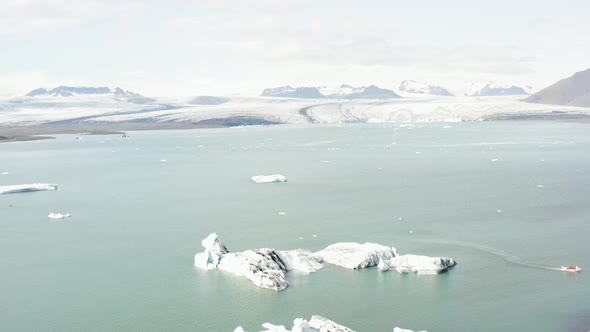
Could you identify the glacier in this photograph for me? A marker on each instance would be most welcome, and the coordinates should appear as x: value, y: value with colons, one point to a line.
x: 269, y: 178
x: 23, y: 188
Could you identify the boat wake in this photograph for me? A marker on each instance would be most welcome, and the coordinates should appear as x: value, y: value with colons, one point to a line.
x: 490, y: 250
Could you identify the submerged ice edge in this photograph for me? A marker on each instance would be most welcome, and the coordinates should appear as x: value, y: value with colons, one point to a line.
x: 29, y: 187
x: 267, y: 268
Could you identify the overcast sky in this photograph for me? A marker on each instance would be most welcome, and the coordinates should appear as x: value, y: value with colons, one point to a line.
x: 185, y: 48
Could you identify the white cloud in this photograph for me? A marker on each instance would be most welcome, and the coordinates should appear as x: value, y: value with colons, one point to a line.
x: 18, y: 83
x: 37, y: 16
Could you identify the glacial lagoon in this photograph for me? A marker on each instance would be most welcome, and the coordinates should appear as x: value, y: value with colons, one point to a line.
x: 507, y: 200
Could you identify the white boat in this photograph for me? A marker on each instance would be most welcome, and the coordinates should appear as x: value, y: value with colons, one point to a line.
x: 571, y: 268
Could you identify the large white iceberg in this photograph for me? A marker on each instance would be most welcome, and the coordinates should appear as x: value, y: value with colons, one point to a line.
x: 22, y: 188
x: 269, y: 178
x: 265, y: 267
x: 420, y: 264
x: 315, y: 324
x: 353, y: 255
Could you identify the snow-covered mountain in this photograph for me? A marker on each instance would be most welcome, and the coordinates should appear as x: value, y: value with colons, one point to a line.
x: 501, y: 89
x: 423, y: 88
x: 290, y: 92
x: 571, y: 91
x: 72, y: 91
x: 344, y: 91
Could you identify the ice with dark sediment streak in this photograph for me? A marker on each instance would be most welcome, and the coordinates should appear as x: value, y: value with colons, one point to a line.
x: 265, y: 267
x: 23, y: 188
x: 315, y: 324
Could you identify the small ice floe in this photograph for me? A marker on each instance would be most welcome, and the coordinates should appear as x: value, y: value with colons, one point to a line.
x: 325, y: 161
x: 300, y: 238
x: 494, y: 160
x: 400, y: 218
x: 418, y: 152
x: 313, y: 235
x: 411, y: 232
x: 4, y: 173
x: 499, y: 211
x: 163, y: 160
x: 54, y: 215
x: 282, y: 213
x: 23, y: 188
x: 540, y: 186
x: 269, y: 178
x: 447, y: 127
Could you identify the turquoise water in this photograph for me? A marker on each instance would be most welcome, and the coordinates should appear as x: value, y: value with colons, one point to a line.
x: 124, y: 260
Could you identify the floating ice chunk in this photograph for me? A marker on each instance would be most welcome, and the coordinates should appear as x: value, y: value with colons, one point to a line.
x: 540, y: 186
x: 494, y: 160
x: 447, y: 127
x: 353, y: 255
x: 315, y: 324
x: 313, y: 235
x: 397, y: 329
x: 4, y: 173
x: 325, y: 325
x: 326, y: 161
x: 274, y: 328
x: 269, y: 178
x: 265, y: 267
x: 499, y: 211
x: 53, y: 215
x: 163, y: 160
x: 214, y: 250
x: 22, y: 188
x: 420, y: 264
x: 282, y: 213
